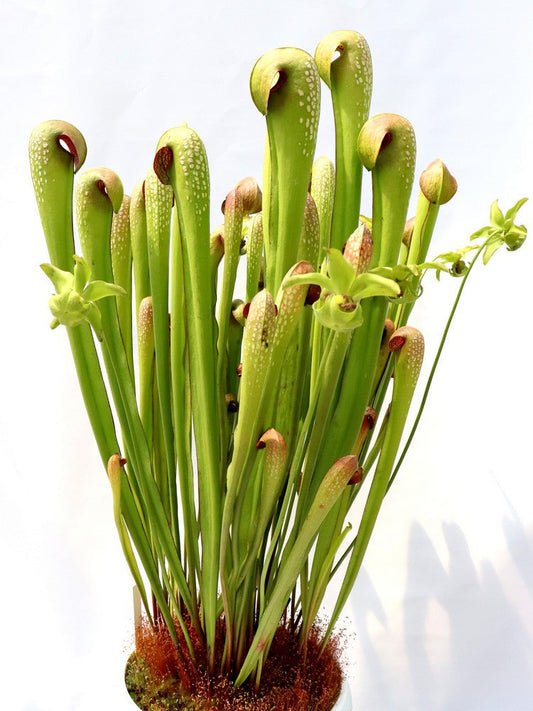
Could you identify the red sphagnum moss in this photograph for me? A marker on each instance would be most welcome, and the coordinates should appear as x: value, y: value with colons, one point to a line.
x: 158, y: 677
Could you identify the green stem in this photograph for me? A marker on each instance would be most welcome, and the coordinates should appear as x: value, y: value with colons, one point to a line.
x: 408, y: 345
x: 233, y: 219
x: 433, y: 369
x: 139, y: 245
x: 330, y: 489
x: 158, y: 216
x: 181, y: 161
x: 349, y: 78
x: 181, y: 401
x: 121, y: 261
x: 96, y: 193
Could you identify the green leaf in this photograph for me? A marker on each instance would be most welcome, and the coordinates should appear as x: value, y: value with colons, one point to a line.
x: 437, y: 266
x: 407, y: 276
x: 94, y: 317
x: 515, y: 237
x: 313, y: 278
x: 483, y: 232
x: 511, y: 213
x: 496, y: 215
x: 82, y: 273
x: 368, y: 284
x: 99, y: 289
x: 491, y: 247
x: 452, y: 257
x: 341, y: 273
x: 62, y: 280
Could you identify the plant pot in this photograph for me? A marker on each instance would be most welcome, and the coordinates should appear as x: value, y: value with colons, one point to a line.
x: 343, y: 703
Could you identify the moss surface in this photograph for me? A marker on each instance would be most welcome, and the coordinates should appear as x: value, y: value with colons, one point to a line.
x: 157, y: 677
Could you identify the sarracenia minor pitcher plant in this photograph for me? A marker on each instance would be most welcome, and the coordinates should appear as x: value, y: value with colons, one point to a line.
x: 242, y: 431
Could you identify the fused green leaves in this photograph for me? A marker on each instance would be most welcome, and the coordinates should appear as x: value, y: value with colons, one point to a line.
x: 285, y: 87
x: 345, y: 65
x: 57, y: 150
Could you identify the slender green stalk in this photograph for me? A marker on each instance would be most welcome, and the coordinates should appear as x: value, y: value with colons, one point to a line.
x: 433, y: 369
x: 387, y: 146
x: 97, y: 195
x: 52, y: 172
x: 284, y: 519
x: 216, y: 251
x: 115, y: 479
x: 437, y: 187
x: 257, y: 334
x: 331, y: 488
x: 254, y: 254
x: 181, y: 406
x: 233, y: 222
x: 159, y: 199
x: 121, y: 263
x: 53, y: 168
x: 235, y: 334
x: 139, y: 244
x: 294, y: 379
x: 323, y: 192
x: 146, y: 348
x: 181, y: 161
x: 311, y: 479
x: 274, y: 474
x: 408, y: 346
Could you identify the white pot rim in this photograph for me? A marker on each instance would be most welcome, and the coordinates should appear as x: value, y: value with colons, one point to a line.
x: 344, y: 702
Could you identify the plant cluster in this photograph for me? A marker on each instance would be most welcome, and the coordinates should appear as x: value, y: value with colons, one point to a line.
x: 249, y: 426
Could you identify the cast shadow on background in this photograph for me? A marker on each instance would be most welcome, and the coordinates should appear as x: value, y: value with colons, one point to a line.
x: 465, y: 644
x: 488, y: 666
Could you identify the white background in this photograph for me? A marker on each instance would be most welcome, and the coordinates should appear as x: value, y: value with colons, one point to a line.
x: 442, y: 615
